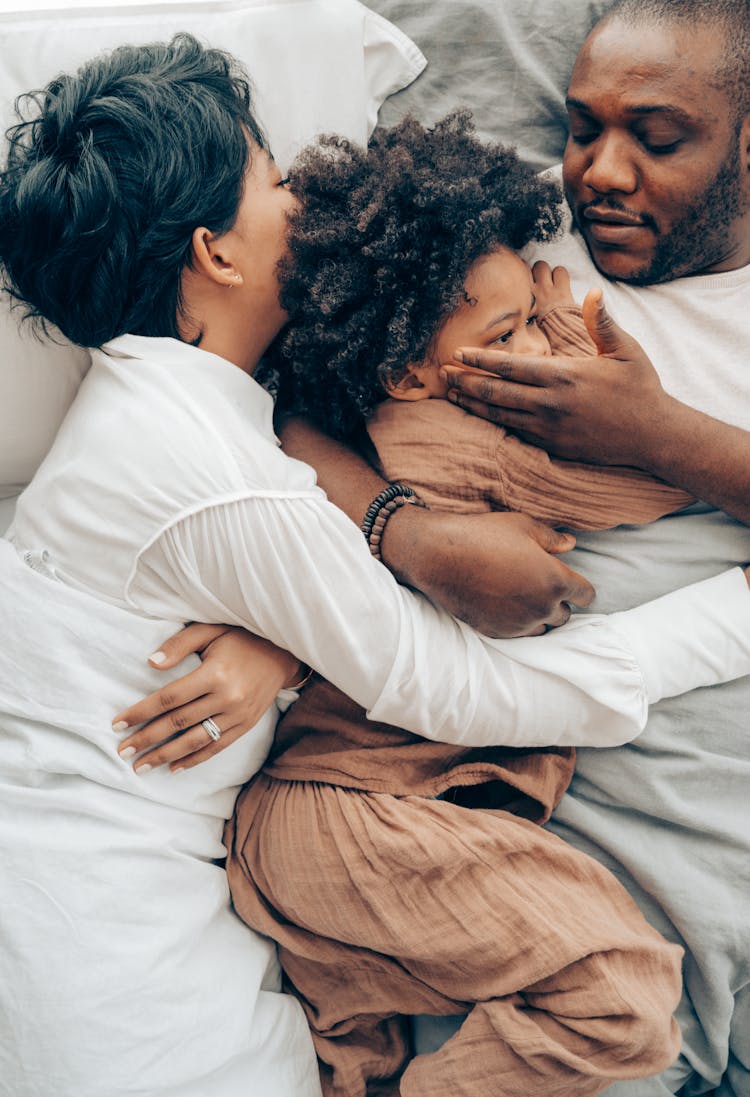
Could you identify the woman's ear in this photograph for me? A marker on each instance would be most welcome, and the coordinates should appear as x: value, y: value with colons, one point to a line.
x: 420, y: 382
x: 212, y: 258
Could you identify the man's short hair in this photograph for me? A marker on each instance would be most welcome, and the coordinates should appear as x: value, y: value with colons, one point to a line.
x: 107, y: 177
x: 732, y: 16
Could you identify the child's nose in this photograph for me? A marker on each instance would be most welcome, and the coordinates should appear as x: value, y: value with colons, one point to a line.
x: 533, y: 342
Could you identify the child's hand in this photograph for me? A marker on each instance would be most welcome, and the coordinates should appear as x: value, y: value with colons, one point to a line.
x: 237, y: 681
x: 551, y: 288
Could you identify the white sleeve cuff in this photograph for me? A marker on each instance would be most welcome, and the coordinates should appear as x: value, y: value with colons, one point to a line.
x: 696, y: 636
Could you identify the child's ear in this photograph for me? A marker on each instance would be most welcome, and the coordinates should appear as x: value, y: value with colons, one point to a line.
x: 420, y: 382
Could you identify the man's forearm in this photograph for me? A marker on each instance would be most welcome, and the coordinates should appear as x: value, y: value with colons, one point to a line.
x: 345, y: 477
x: 706, y: 457
x: 498, y: 571
x: 352, y: 484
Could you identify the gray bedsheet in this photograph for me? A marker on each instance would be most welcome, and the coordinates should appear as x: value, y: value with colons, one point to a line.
x: 509, y: 60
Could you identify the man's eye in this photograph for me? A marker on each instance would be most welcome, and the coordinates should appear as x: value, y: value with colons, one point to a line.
x: 583, y: 137
x: 660, y: 149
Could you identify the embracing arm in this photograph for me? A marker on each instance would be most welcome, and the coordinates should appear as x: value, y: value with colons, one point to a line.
x: 610, y: 409
x: 294, y: 570
x: 498, y: 572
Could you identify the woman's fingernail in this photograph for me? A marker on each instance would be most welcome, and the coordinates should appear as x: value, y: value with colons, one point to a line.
x: 453, y: 396
x: 121, y: 725
x: 459, y: 355
x: 179, y: 769
x: 127, y: 752
x: 157, y: 657
x: 142, y: 769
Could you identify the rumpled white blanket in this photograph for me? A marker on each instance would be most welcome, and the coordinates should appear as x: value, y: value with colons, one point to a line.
x: 123, y: 970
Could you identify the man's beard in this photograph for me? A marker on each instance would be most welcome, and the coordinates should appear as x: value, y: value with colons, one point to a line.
x: 701, y: 237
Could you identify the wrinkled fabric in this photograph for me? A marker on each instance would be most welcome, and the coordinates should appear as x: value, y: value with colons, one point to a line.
x: 384, y: 906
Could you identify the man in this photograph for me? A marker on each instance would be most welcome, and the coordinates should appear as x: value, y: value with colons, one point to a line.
x: 657, y: 174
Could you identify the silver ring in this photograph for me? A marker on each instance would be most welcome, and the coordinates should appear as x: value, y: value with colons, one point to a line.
x: 212, y: 728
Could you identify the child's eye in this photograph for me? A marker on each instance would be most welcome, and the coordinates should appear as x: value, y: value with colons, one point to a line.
x: 531, y: 320
x: 504, y: 338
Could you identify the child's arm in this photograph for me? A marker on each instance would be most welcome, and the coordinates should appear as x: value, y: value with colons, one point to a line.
x: 558, y: 315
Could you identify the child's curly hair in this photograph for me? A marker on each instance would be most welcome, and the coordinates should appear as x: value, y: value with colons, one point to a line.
x: 379, y: 250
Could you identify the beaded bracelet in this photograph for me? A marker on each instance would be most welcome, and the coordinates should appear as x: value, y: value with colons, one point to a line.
x: 380, y: 510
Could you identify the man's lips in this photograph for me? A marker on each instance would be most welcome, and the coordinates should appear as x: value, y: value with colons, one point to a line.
x: 612, y: 226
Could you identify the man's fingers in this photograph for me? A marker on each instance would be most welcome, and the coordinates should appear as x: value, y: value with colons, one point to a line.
x: 559, y: 617
x: 610, y: 339
x: 188, y: 640
x: 519, y: 369
x: 578, y: 590
x: 495, y: 391
x: 552, y: 540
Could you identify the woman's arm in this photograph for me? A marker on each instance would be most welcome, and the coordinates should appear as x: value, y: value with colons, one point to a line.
x: 609, y: 409
x: 293, y: 569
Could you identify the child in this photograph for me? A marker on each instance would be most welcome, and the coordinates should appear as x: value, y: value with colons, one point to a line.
x: 355, y: 848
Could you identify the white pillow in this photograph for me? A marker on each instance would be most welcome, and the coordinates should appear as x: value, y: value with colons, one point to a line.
x: 317, y: 66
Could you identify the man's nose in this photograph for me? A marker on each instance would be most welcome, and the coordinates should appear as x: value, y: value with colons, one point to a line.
x: 610, y: 166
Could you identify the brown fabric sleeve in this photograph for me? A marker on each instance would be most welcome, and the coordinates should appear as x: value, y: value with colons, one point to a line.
x: 566, y: 331
x: 578, y: 496
x: 445, y: 454
x: 460, y: 462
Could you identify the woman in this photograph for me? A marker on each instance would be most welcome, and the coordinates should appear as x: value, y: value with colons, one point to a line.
x: 142, y: 214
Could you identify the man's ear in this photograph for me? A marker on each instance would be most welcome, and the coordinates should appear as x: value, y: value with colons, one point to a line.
x: 419, y: 382
x: 211, y: 256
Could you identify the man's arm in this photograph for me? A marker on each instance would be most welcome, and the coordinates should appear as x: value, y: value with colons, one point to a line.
x: 609, y: 409
x: 498, y: 572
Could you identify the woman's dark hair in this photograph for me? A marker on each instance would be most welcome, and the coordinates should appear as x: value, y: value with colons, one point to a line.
x: 378, y: 253
x: 109, y: 176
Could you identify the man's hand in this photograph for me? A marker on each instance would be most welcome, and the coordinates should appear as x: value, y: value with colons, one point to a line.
x: 609, y: 409
x: 499, y: 572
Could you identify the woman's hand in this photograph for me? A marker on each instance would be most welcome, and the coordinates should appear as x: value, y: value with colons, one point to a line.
x: 239, y: 677
x: 609, y: 409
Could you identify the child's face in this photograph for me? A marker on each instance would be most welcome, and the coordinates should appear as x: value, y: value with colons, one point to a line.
x: 500, y: 311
